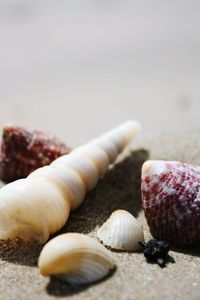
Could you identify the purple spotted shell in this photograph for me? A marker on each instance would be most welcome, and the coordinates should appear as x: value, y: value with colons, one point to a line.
x: 171, y: 201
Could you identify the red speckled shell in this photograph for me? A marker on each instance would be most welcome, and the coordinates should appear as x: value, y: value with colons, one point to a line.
x: 171, y: 201
x: 24, y: 150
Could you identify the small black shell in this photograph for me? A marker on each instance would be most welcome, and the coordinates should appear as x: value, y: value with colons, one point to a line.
x: 157, y: 252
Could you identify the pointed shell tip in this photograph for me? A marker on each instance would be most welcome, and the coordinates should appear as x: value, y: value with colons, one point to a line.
x: 147, y: 167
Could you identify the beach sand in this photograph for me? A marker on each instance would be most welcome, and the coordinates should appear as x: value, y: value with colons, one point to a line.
x: 134, y: 278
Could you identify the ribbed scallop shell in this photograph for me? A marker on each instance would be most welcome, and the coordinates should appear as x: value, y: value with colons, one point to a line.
x: 75, y: 258
x: 121, y: 231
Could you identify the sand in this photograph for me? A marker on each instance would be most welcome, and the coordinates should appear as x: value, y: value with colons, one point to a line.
x: 134, y: 277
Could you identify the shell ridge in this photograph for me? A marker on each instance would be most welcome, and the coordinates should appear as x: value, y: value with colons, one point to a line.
x: 121, y: 231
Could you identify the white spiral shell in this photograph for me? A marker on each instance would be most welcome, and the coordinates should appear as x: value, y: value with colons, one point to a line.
x: 39, y: 205
x: 121, y: 232
x: 75, y: 258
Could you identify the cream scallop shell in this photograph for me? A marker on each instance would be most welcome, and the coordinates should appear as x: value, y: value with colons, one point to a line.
x: 121, y: 232
x: 75, y: 258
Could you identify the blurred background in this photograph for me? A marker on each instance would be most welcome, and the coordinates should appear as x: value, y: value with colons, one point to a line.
x: 77, y: 68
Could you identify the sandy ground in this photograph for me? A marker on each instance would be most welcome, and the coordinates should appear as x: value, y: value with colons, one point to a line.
x: 134, y: 277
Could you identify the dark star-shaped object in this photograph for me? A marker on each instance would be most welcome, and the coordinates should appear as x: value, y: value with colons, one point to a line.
x: 157, y: 252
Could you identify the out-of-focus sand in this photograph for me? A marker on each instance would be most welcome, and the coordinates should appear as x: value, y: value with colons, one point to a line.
x: 78, y: 68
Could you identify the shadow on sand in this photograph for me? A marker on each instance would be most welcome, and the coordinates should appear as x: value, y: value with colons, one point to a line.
x: 120, y: 188
x: 59, y: 288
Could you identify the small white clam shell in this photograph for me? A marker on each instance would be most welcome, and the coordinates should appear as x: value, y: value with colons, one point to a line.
x: 121, y: 232
x: 75, y: 258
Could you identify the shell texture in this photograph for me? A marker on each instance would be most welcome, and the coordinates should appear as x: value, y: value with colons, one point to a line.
x: 75, y: 258
x: 39, y: 205
x: 24, y: 150
x: 121, y: 232
x: 171, y: 201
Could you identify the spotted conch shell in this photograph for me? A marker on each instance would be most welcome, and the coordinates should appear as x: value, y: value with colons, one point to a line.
x: 75, y: 258
x: 121, y: 232
x: 35, y: 207
x: 171, y: 201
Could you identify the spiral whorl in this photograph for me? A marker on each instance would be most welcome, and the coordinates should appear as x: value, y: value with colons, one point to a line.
x: 39, y: 205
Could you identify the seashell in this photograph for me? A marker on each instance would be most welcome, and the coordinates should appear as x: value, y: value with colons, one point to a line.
x: 121, y: 231
x: 24, y: 150
x: 50, y: 193
x: 84, y: 166
x: 75, y: 258
x: 171, y: 201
